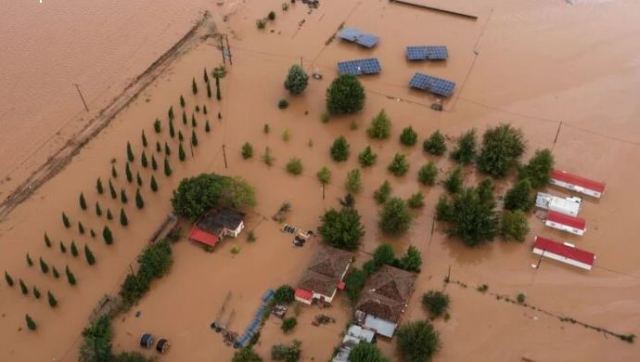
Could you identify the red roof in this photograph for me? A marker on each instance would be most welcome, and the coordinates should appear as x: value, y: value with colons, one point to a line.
x: 564, y: 176
x: 304, y: 294
x: 564, y: 250
x: 572, y: 221
x: 201, y: 236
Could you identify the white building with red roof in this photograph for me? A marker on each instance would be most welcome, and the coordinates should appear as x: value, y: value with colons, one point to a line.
x: 577, y: 183
x: 570, y: 224
x: 563, y: 252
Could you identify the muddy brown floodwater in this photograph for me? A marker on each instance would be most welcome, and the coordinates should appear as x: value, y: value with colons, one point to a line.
x: 533, y: 64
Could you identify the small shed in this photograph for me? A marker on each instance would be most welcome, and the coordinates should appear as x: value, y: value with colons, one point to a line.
x: 577, y: 183
x: 570, y: 224
x: 563, y: 252
x: 567, y: 205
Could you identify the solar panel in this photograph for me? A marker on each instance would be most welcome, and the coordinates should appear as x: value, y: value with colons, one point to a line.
x: 431, y: 84
x: 438, y: 52
x: 360, y: 66
x: 350, y: 34
x: 367, y: 40
x: 416, y: 53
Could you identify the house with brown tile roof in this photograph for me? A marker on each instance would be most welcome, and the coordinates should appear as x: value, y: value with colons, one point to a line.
x: 324, y: 275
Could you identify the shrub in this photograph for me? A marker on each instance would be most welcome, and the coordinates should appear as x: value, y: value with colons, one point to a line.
x: 154, y: 262
x: 453, y: 182
x: 286, y: 135
x: 107, y: 235
x: 380, y: 127
x: 83, y: 202
x: 23, y: 287
x: 411, y: 260
x: 8, y: 279
x: 157, y: 126
x: 436, y: 303
x: 427, y: 174
x: 408, y: 136
x: 285, y: 294
x: 294, y: 166
x: 283, y: 104
x: 272, y: 15
x: 247, y: 151
x: 538, y: 169
x: 502, y: 146
x: 65, y: 221
x: 130, y: 154
x: 28, y: 259
x: 399, y: 165
x: 287, y: 353
x: 367, y: 157
x: 139, y: 200
x: 71, y: 278
x: 342, y: 228
x: 514, y: 225
x: 88, y: 254
x: 297, y: 80
x: 47, y: 241
x: 345, y: 95
x: 394, y: 217
x: 31, y: 324
x: 473, y: 220
x: 366, y: 352
x: 289, y: 324
x: 465, y: 151
x: 51, y: 299
x: 324, y: 175
x: 340, y: 149
x: 353, y: 184
x: 324, y: 117
x: 354, y: 282
x: 381, y: 195
x: 267, y: 158
x: 153, y: 184
x: 520, y: 298
x: 74, y: 249
x: 435, y: 144
x: 261, y: 23
x: 96, y: 344
x: 520, y: 197
x: 417, y: 341
x: 416, y: 201
x: 246, y: 354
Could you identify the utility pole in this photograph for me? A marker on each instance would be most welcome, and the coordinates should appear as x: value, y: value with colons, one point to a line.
x: 557, y: 133
x: 224, y: 155
x: 81, y: 97
x: 226, y: 37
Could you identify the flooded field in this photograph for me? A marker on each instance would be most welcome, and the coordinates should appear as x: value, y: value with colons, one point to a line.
x: 560, y: 72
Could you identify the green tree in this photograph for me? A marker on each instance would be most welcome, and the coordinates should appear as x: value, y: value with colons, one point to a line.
x: 514, y: 225
x: 340, y: 149
x: 416, y: 201
x: 294, y: 166
x: 367, y: 157
x: 63, y: 248
x: 130, y: 155
x: 112, y: 190
x: 88, y: 254
x: 98, y: 209
x: 145, y: 143
x: 380, y: 127
x: 172, y: 129
x: 124, y: 221
x: 170, y: 113
x: 107, y: 235
x: 342, y: 228
x: 109, y: 214
x: 8, y: 279
x: 287, y: 353
x: 123, y: 196
x: 194, y: 86
x: 74, y: 249
x: 83, y: 202
x: 65, y: 220
x: 23, y: 287
x: 473, y: 220
x: 345, y: 95
x: 99, y: 187
x: 29, y: 261
x: 139, y: 200
x: 520, y: 196
x: 36, y: 292
x: 354, y: 282
x: 454, y: 181
x: 288, y: 324
x: 383, y: 255
x: 399, y: 165
x: 207, y: 127
x: 485, y: 192
x: 465, y: 151
x: 31, y: 324
x: 53, y: 302
x: 138, y: 179
x: 381, y: 195
x: 218, y: 93
x: 154, y: 163
x: 247, y: 151
x: 143, y: 160
x: 96, y: 346
x: 408, y: 136
x: 181, y: 155
x: 157, y: 126
x: 194, y: 138
x: 353, y: 184
x: 71, y: 278
x: 411, y: 260
x: 324, y: 176
x: 538, y: 169
x: 395, y: 218
x: 245, y: 354
x: 47, y: 241
x: 114, y: 172
x: 285, y: 294
x: 80, y: 227
x: 435, y: 302
x: 366, y: 352
x: 502, y: 146
x: 209, y: 91
x: 427, y: 174
x: 182, y: 102
x: 167, y: 150
x: 127, y: 171
x: 55, y: 272
x: 167, y: 167
x: 297, y: 80
x: 435, y: 144
x: 417, y: 341
x: 154, y: 184
x: 44, y: 267
x: 271, y: 16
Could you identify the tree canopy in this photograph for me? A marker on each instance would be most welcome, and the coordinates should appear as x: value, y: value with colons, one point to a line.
x: 297, y: 80
x: 435, y: 302
x: 465, y: 151
x: 520, y: 196
x: 417, y: 341
x: 435, y: 144
x: 380, y: 127
x: 246, y: 355
x: 514, y: 225
x: 340, y: 149
x: 345, y: 95
x: 342, y: 228
x: 502, y: 146
x: 538, y: 169
x: 366, y: 352
x: 395, y: 218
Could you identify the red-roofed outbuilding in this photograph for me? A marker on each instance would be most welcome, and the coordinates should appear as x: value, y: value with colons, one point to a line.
x: 563, y: 252
x: 200, y: 236
x: 577, y: 183
x: 571, y: 224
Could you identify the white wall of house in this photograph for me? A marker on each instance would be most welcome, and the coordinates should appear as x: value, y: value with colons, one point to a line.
x: 569, y: 229
x: 234, y: 233
x: 561, y: 258
x: 575, y: 188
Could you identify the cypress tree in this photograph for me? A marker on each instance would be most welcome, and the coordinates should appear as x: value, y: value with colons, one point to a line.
x: 53, y: 302
x: 182, y: 103
x: 98, y: 209
x: 158, y: 147
x: 208, y: 91
x: 99, y: 187
x: 109, y: 215
x: 204, y: 109
x: 154, y: 184
x: 207, y: 127
x: 63, y: 249
x: 167, y: 167
x: 167, y: 150
x: 194, y: 123
x: 180, y: 136
x: 65, y: 220
x: 157, y: 126
x: 194, y: 138
x: 92, y: 233
x: 88, y: 254
x: 83, y: 202
x: 194, y: 87
x: 138, y: 179
x: 55, y: 272
x: 36, y: 293
x: 8, y: 279
x: 184, y: 118
x: 31, y: 324
x: 74, y: 249
x: 139, y: 200
x: 206, y: 76
x: 143, y: 160
x: 172, y: 130
x: 114, y: 173
x: 29, y: 261
x: 112, y: 190
x: 219, y: 115
x: 47, y: 241
x: 123, y: 196
x: 71, y: 278
x: 130, y: 155
x: 181, y: 154
x: 144, y: 140
x: 154, y: 164
x: 124, y: 221
x: 107, y: 235
x: 127, y: 171
x: 170, y: 113
x: 23, y: 287
x: 80, y: 228
x: 44, y: 267
x: 218, y: 95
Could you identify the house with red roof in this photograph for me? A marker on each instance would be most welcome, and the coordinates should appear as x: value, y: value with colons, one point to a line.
x: 577, y: 183
x: 563, y: 252
x: 571, y: 224
x: 324, y: 276
x: 215, y: 225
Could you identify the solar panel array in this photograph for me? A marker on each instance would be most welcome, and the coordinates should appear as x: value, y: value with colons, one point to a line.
x: 358, y: 37
x: 432, y: 84
x: 434, y: 52
x: 367, y: 40
x: 359, y: 66
x: 350, y: 34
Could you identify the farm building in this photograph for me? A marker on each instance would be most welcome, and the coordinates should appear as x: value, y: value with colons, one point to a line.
x: 568, y: 205
x: 563, y: 252
x: 384, y: 299
x: 215, y: 225
x: 570, y: 224
x: 324, y: 276
x: 577, y: 183
x: 355, y: 335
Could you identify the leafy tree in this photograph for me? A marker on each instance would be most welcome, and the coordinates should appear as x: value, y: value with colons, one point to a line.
x: 181, y: 155
x: 31, y: 324
x: 245, y: 354
x: 154, y: 163
x: 417, y: 341
x: 435, y: 303
x: 8, y: 279
x: 154, y: 184
x: 107, y: 235
x: 123, y: 196
x: 247, y: 151
x: 47, y: 241
x: 65, y: 220
x: 435, y: 144
x: 408, y: 136
x: 342, y: 228
x: 23, y: 287
x: 288, y: 324
x: 127, y: 171
x: 412, y: 260
x: 196, y: 195
x: 502, y: 146
x: 143, y: 160
x: 345, y: 95
x: 383, y: 255
x: 139, y: 200
x: 271, y: 16
x: 539, y: 168
x: 395, y: 218
x: 353, y: 184
x: 285, y: 294
x: 324, y: 176
x: 88, y: 254
x: 427, y: 174
x: 167, y: 167
x: 354, y: 282
x: 29, y: 261
x: 44, y: 267
x: 294, y: 166
x: 485, y: 192
x: 71, y: 278
x: 453, y: 182
x: 157, y: 126
x: 465, y: 151
x: 473, y: 220
x: 416, y: 201
x: 53, y: 302
x: 36, y: 292
x: 297, y: 80
x: 366, y: 352
x: 112, y: 190
x: 287, y: 353
x: 130, y: 155
x: 194, y: 86
x: 514, y: 225
x: 399, y: 165
x: 340, y: 149
x: 96, y: 346
x: 124, y: 221
x: 381, y: 195
x: 380, y: 127
x: 99, y: 187
x: 367, y: 157
x: 520, y: 196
